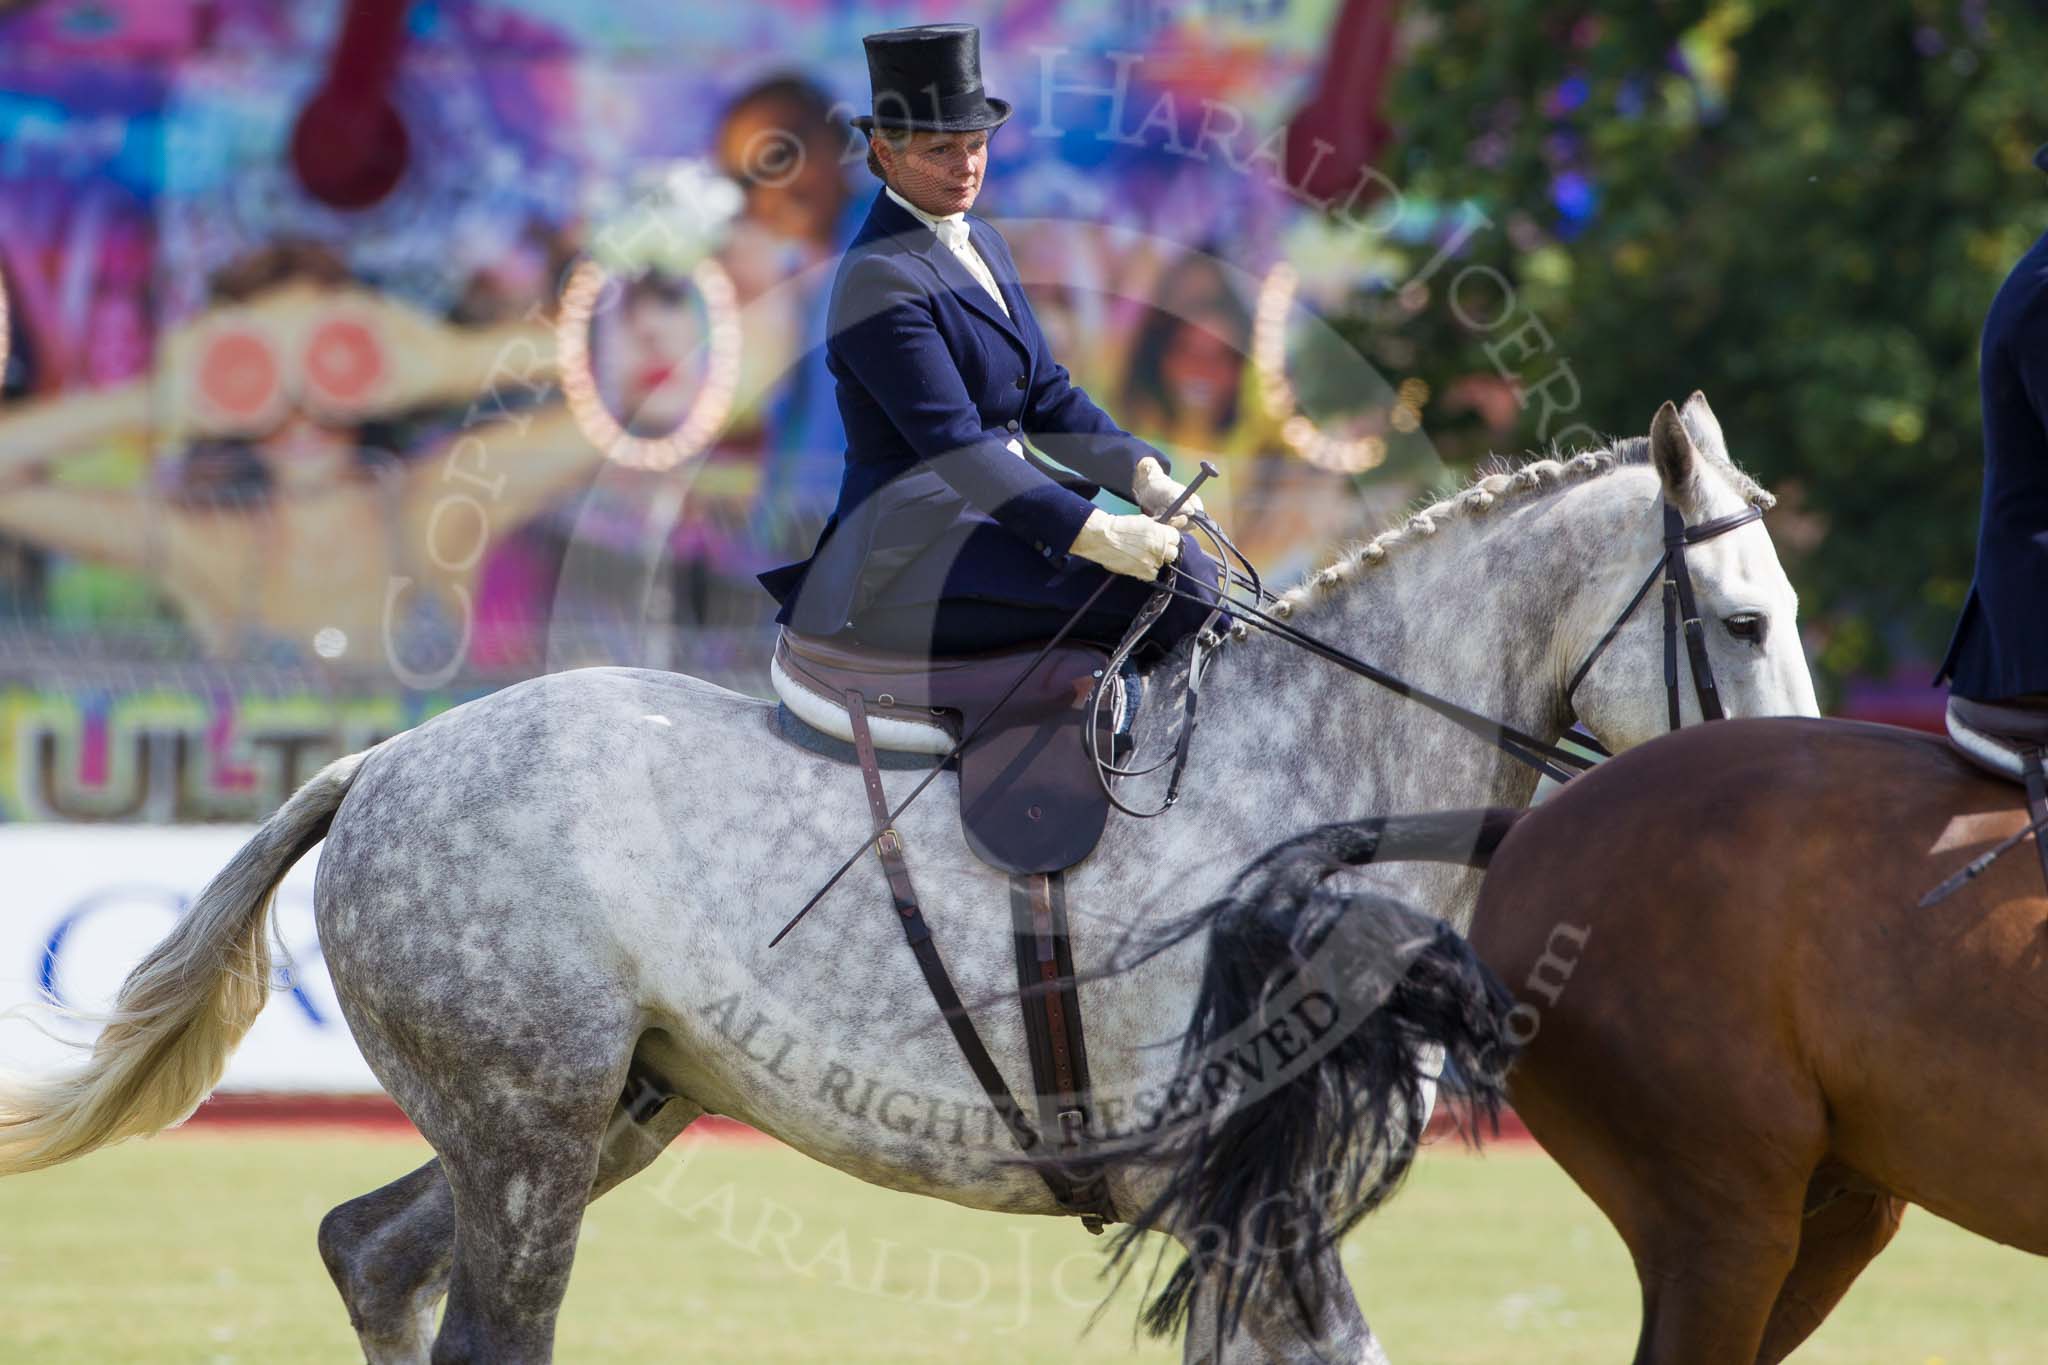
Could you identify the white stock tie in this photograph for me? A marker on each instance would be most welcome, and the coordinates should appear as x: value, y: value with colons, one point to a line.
x: 953, y: 235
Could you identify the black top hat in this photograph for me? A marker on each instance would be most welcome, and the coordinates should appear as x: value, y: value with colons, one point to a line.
x: 929, y: 78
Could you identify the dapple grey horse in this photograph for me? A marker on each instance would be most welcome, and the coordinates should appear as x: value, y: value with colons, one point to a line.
x: 523, y: 895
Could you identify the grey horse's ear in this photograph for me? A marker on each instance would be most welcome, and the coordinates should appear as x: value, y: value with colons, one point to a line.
x: 1699, y: 419
x: 1676, y: 457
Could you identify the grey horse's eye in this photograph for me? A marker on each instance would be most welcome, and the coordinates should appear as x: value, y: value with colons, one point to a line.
x: 1747, y: 625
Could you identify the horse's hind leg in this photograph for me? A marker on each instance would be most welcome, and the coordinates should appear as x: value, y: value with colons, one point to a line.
x: 1272, y: 1332
x: 390, y: 1252
x: 520, y: 1166
x: 1836, y: 1241
x: 1708, y: 1202
x: 1707, y: 1291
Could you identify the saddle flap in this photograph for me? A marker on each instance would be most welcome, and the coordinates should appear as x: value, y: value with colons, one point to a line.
x: 1029, y: 798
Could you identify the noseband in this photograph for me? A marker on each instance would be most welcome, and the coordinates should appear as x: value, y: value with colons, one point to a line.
x: 1679, y: 605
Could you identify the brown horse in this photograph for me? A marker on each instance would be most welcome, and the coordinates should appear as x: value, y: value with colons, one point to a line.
x: 1742, y: 1035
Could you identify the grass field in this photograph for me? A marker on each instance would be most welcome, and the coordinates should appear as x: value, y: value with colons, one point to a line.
x: 199, y: 1247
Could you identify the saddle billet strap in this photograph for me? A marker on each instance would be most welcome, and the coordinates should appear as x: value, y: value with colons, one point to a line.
x: 1053, y: 1030
x: 889, y: 847
x: 2037, y: 802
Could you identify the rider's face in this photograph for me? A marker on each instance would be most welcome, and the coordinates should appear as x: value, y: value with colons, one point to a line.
x: 941, y: 173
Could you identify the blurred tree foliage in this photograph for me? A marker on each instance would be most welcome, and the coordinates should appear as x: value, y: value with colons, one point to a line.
x: 1802, y: 207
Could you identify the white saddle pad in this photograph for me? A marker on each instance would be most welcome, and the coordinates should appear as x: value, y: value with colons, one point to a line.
x: 1988, y: 753
x: 827, y: 715
x: 892, y: 734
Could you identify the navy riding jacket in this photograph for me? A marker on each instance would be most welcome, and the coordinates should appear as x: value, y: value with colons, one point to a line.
x: 933, y: 382
x: 2000, y: 648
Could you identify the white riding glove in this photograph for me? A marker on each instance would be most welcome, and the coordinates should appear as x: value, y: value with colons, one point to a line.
x: 1133, y: 545
x: 1154, y: 490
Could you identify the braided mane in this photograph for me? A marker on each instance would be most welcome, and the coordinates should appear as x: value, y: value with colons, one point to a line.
x: 1497, y: 481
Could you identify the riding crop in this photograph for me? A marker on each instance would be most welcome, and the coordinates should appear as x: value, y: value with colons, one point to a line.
x: 1208, y: 472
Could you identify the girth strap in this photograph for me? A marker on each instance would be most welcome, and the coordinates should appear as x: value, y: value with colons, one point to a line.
x: 1052, y: 1025
x: 2037, y: 802
x: 889, y: 846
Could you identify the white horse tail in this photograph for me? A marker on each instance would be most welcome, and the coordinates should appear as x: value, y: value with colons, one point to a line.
x: 183, y: 1009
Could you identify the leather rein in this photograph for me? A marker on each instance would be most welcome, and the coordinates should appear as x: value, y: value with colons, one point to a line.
x: 1681, y: 617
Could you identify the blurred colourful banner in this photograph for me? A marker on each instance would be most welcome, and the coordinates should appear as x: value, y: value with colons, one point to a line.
x: 362, y: 451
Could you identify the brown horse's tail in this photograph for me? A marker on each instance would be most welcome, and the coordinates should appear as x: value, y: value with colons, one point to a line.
x: 183, y: 1009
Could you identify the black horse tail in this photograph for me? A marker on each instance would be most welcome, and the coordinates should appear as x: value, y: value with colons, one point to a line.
x: 1306, y: 1059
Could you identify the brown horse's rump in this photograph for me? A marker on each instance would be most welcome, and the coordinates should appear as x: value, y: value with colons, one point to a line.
x: 1747, y: 1042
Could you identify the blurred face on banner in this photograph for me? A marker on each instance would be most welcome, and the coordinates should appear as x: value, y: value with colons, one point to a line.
x: 657, y: 333
x: 1192, y: 350
x: 1202, y: 368
x: 294, y: 377
x: 787, y: 161
x: 941, y: 173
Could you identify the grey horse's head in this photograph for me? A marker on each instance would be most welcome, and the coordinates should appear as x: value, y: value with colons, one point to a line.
x: 1746, y: 604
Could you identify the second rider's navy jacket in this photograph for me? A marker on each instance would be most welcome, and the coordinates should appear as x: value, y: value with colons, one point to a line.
x: 933, y: 383
x: 2000, y: 648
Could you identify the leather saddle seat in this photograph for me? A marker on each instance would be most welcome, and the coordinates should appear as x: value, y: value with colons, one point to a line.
x: 1997, y: 738
x: 1029, y: 798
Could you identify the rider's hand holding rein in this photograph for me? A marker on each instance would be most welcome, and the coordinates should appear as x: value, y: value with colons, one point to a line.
x: 1134, y: 545
x: 1155, y: 491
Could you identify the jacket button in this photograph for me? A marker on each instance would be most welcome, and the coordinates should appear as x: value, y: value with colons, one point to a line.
x: 1022, y: 382
x: 1014, y: 425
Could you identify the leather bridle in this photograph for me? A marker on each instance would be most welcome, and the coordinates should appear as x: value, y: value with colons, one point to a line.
x: 1681, y: 611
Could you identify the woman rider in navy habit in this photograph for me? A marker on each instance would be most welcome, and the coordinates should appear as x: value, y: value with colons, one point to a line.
x: 1998, y: 660
x: 950, y: 536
